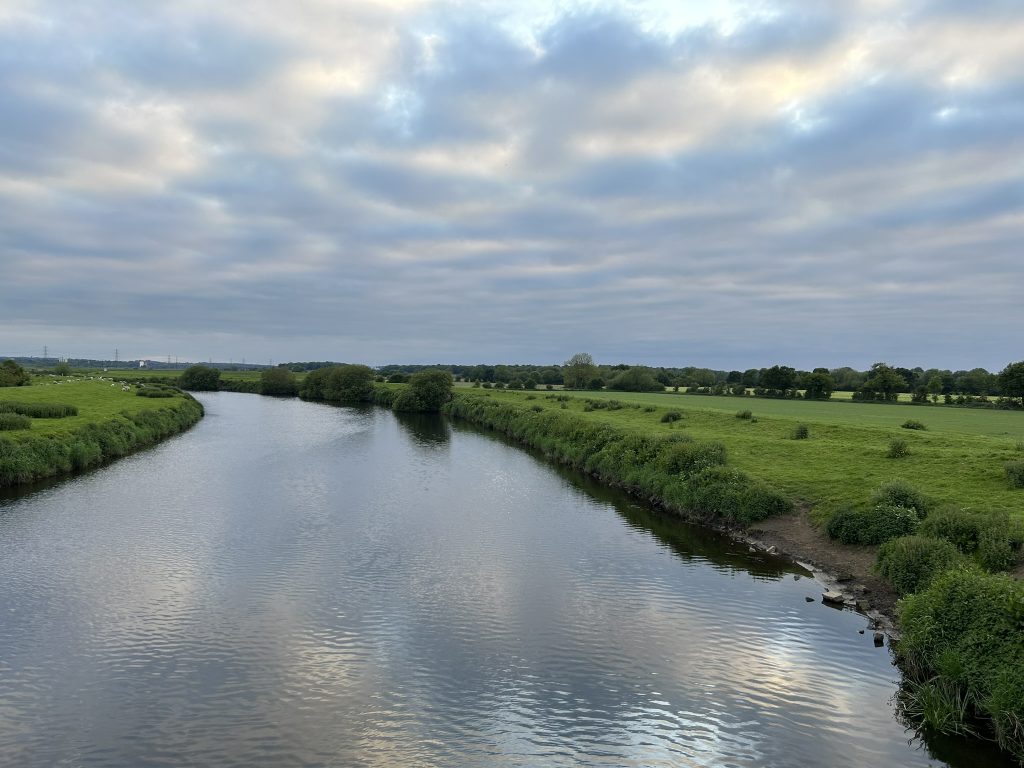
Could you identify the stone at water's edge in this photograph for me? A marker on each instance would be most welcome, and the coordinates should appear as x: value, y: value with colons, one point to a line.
x: 879, y: 639
x: 831, y: 596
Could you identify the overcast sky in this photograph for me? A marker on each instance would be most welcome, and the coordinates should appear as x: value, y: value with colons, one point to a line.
x: 729, y: 184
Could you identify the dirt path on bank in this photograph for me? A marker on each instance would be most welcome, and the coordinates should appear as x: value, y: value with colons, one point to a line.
x: 843, y: 567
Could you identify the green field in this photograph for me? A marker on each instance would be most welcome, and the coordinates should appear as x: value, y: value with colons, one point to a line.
x: 96, y: 400
x: 958, y: 460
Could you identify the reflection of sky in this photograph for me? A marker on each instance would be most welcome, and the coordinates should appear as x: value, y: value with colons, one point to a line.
x: 326, y: 586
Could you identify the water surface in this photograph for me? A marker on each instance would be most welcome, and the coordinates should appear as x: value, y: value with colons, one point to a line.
x: 294, y: 584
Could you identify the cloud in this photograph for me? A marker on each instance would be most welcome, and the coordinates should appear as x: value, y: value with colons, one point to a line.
x: 756, y: 183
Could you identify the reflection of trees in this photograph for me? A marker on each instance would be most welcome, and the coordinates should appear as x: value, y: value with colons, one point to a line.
x: 428, y: 429
x: 687, y: 540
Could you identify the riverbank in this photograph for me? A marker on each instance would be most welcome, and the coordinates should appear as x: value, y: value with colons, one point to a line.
x: 104, y: 420
x: 965, y: 680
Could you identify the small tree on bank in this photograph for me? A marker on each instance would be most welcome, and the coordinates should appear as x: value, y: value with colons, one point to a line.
x: 428, y: 391
x: 278, y: 381
x: 578, y: 371
x: 200, y: 378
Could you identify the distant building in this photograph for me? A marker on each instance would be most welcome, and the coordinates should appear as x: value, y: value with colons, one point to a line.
x: 142, y: 363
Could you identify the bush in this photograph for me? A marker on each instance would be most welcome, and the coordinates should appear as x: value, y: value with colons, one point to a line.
x: 12, y: 421
x: 428, y: 391
x: 957, y: 526
x: 900, y: 493
x: 994, y: 551
x: 909, y: 563
x: 725, y: 493
x: 1015, y: 473
x: 913, y: 424
x: 637, y: 379
x: 200, y: 378
x: 872, y: 526
x: 154, y: 392
x: 279, y: 382
x: 897, y: 449
x: 801, y: 432
x: 963, y: 630
x: 744, y: 415
x: 13, y: 375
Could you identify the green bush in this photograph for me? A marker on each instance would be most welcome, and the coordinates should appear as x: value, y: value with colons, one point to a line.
x: 671, y: 416
x: 964, y: 630
x: 897, y: 449
x: 13, y: 375
x: 200, y: 378
x: 40, y: 410
x: 900, y: 493
x: 909, y: 563
x: 801, y: 432
x: 874, y: 525
x: 428, y: 391
x: 957, y: 526
x: 154, y: 392
x: 12, y: 421
x: 729, y: 494
x: 278, y: 382
x: 1015, y: 473
x: 994, y: 551
x: 744, y: 415
x: 913, y: 424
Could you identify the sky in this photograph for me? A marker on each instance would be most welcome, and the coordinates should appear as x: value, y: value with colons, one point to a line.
x: 714, y: 183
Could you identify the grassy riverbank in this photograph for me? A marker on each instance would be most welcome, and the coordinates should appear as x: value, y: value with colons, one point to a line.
x: 107, y: 422
x: 696, y: 455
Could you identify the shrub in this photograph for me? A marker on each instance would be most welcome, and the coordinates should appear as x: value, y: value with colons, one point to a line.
x: 913, y: 424
x: 428, y: 391
x: 963, y: 630
x: 801, y: 432
x: 897, y: 449
x: 649, y: 409
x: 12, y: 421
x: 279, y: 382
x: 200, y: 378
x: 1015, y: 473
x: 957, y: 526
x: 154, y: 392
x: 872, y: 526
x: 13, y: 375
x: 994, y: 551
x: 671, y: 416
x: 729, y: 494
x: 744, y: 415
x: 900, y: 493
x: 909, y: 563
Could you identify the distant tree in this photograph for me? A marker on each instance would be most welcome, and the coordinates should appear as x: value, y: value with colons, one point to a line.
x: 734, y: 377
x: 578, y: 371
x: 884, y: 382
x: 200, y: 378
x: 503, y: 373
x: 636, y: 379
x: 530, y: 383
x: 551, y: 376
x: 62, y: 368
x: 1011, y: 381
x: 349, y: 384
x: 397, y: 378
x: 818, y: 386
x: 278, y: 381
x: 778, y: 377
x: 751, y: 377
x: 596, y: 383
x: 428, y: 391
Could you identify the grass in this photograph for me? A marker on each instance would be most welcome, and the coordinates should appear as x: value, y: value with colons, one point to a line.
x: 96, y: 401
x: 109, y: 422
x: 960, y: 459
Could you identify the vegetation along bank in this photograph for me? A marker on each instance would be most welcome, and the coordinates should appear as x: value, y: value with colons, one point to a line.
x: 51, y: 425
x: 942, y: 519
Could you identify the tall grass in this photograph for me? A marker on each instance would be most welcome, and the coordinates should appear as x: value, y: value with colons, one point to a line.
x: 12, y: 421
x: 40, y: 410
x: 682, y: 474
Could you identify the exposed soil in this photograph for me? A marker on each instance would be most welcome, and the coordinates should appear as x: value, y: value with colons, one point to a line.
x: 845, y: 568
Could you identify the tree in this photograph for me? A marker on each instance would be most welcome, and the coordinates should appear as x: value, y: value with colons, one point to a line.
x: 884, y: 382
x: 349, y: 384
x: 1011, y: 380
x: 578, y: 371
x: 62, y: 368
x: 818, y: 386
x: 779, y: 377
x: 200, y: 378
x: 428, y: 391
x: 13, y: 375
x: 636, y: 379
x: 278, y: 381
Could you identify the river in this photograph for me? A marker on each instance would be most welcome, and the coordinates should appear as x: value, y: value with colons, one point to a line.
x: 296, y: 584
